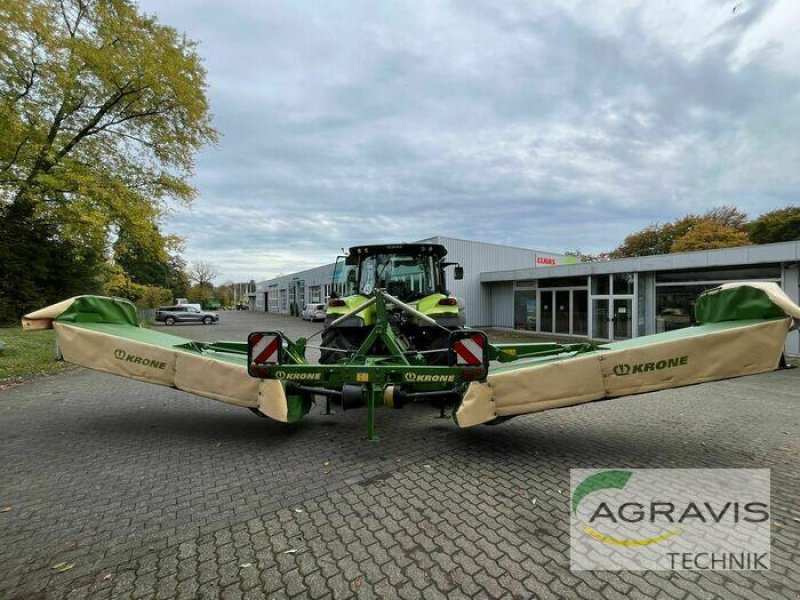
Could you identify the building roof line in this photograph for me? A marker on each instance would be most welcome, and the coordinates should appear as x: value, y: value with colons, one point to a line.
x: 455, y: 239
x: 741, y: 255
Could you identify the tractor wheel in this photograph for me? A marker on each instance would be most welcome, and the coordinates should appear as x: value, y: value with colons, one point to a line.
x: 169, y: 321
x: 334, y: 337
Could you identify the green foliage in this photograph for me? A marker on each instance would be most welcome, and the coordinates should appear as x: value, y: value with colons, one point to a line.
x: 40, y: 266
x: 145, y: 260
x: 153, y: 297
x: 200, y: 293
x: 101, y: 112
x: 148, y: 263
x: 224, y: 294
x: 781, y: 225
x: 144, y: 296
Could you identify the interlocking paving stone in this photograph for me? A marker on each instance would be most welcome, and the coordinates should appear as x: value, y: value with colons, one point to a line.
x: 154, y: 493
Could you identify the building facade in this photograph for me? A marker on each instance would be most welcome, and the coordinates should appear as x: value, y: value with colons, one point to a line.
x: 551, y: 294
x: 314, y: 285
x: 620, y: 299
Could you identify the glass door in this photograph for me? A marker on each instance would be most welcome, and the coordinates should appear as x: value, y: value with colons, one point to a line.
x: 600, y: 319
x: 613, y: 312
x: 622, y: 318
x: 562, y: 310
x: 580, y: 312
x: 546, y: 302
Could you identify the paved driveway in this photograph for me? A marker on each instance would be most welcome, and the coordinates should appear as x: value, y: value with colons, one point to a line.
x: 145, y: 492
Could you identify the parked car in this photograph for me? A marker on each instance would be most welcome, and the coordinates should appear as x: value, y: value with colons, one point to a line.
x: 190, y: 305
x: 313, y: 312
x: 170, y: 315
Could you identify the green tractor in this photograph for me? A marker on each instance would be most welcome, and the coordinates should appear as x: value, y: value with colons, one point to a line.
x: 411, y: 274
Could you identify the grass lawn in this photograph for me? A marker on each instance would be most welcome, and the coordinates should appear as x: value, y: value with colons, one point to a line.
x: 28, y: 353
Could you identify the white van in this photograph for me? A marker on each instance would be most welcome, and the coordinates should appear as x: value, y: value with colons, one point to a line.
x: 313, y: 312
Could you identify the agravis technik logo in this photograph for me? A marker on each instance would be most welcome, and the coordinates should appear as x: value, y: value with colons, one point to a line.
x: 641, y: 519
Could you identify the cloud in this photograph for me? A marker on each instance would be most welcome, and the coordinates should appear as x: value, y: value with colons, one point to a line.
x: 547, y: 126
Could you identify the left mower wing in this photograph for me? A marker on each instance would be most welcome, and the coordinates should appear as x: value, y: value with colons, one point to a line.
x: 104, y: 334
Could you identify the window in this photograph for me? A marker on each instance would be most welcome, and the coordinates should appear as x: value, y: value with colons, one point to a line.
x: 770, y: 272
x: 283, y: 301
x: 677, y: 291
x: 600, y: 285
x: 562, y: 282
x: 344, y: 278
x: 399, y: 275
x: 623, y: 284
x: 580, y: 312
x: 525, y: 310
x: 675, y: 305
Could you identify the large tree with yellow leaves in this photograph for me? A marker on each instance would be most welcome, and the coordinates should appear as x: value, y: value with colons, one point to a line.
x: 102, y: 110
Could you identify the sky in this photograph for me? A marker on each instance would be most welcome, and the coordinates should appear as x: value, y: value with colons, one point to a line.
x: 549, y: 125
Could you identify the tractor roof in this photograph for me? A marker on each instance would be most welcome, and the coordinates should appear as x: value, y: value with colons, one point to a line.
x: 436, y: 250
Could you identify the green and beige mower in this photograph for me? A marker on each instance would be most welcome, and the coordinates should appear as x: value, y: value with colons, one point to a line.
x: 394, y: 335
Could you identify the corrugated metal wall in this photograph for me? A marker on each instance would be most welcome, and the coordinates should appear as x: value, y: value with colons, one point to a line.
x: 318, y: 276
x: 502, y: 304
x: 478, y: 257
x: 475, y: 257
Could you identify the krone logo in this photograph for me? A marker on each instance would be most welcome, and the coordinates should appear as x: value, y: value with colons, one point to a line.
x: 622, y: 369
x: 413, y: 377
x: 120, y: 354
x: 280, y: 374
x: 656, y: 365
x: 303, y: 376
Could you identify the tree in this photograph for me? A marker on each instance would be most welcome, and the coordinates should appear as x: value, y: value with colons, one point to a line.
x: 38, y: 268
x: 654, y: 239
x: 661, y: 238
x: 155, y: 264
x: 224, y: 293
x: 203, y: 272
x: 178, y: 277
x: 101, y: 112
x: 727, y: 215
x: 583, y: 257
x: 145, y: 261
x: 782, y: 225
x: 708, y: 235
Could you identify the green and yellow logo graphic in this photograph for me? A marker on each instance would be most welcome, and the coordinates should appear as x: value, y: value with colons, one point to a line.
x: 603, y: 481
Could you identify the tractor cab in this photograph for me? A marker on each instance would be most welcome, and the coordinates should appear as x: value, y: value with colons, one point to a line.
x: 410, y: 273
x: 406, y: 271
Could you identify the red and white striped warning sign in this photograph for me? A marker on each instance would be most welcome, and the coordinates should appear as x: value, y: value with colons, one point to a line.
x: 469, y: 350
x: 265, y: 348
